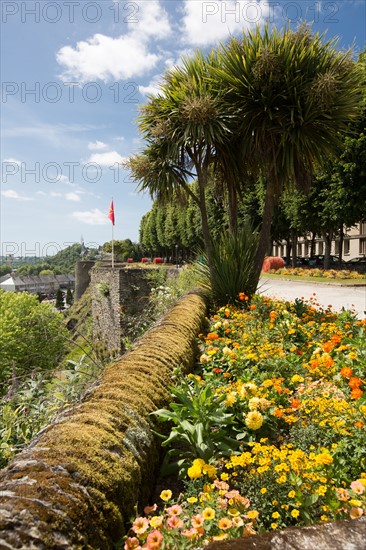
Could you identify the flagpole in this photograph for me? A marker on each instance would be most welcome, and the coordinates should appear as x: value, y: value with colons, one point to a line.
x: 112, y: 246
x: 113, y: 237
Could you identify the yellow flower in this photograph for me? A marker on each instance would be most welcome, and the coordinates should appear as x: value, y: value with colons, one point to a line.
x: 252, y: 514
x: 194, y: 472
x: 295, y: 513
x: 233, y: 512
x: 156, y: 522
x: 166, y: 495
x: 355, y: 502
x: 209, y: 470
x: 275, y: 515
x: 224, y: 476
x: 274, y: 525
x: 263, y: 490
x: 222, y: 536
x: 292, y: 494
x: 192, y: 500
x: 224, y: 523
x: 254, y: 420
x: 208, y: 513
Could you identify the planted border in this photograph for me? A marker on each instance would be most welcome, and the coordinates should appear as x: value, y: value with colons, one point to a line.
x: 75, y: 486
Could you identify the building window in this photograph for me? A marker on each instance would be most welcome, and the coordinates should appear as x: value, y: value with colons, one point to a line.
x: 336, y: 247
x: 346, y: 246
x: 299, y: 249
x: 306, y: 248
x: 320, y: 247
x: 362, y: 228
x: 362, y: 246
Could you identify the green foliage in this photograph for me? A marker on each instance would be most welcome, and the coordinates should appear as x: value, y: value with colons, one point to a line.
x: 60, y: 303
x: 32, y: 405
x: 200, y: 424
x: 69, y: 297
x: 31, y: 335
x: 233, y: 259
x: 4, y: 269
x: 104, y: 289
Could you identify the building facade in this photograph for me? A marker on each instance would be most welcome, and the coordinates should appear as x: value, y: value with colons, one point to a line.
x: 34, y: 284
x: 354, y: 245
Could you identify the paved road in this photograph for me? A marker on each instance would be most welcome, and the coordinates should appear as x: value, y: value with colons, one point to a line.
x: 353, y: 298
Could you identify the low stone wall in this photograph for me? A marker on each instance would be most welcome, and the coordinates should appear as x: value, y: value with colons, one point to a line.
x: 340, y: 535
x: 76, y: 485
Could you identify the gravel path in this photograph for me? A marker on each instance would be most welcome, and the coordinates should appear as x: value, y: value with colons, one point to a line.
x: 349, y: 297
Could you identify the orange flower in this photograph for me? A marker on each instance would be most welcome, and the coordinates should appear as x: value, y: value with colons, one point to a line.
x: 295, y: 403
x: 278, y: 413
x: 346, y: 372
x: 253, y: 307
x: 359, y: 424
x: 273, y: 315
x: 336, y: 339
x: 327, y: 346
x: 212, y: 336
x: 355, y: 382
x: 356, y: 393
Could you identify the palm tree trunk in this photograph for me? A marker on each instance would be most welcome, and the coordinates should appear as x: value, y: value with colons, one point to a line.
x: 233, y: 210
x: 265, y: 233
x: 202, y: 174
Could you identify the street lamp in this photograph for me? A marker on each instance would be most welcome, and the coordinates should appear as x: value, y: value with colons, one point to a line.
x: 176, y: 255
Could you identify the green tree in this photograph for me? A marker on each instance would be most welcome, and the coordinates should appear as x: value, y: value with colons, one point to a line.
x: 69, y: 297
x: 60, y: 304
x: 294, y: 96
x: 32, y: 336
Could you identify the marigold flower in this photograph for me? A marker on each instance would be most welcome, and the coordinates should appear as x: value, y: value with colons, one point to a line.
x: 275, y: 515
x: 355, y: 382
x: 356, y: 393
x: 154, y: 540
x: 295, y: 513
x: 254, y: 420
x: 253, y: 307
x: 166, y: 495
x: 212, y: 336
x: 346, y: 372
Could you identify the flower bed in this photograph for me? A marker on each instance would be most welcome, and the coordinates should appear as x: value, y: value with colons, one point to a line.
x: 269, y: 431
x: 316, y: 272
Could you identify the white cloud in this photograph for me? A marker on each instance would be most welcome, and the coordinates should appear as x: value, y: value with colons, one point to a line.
x: 107, y: 159
x: 151, y: 20
x: 91, y: 217
x: 106, y: 58
x: 72, y: 197
x: 96, y: 145
x: 205, y: 22
x: 11, y: 194
x: 120, y: 138
x: 153, y: 87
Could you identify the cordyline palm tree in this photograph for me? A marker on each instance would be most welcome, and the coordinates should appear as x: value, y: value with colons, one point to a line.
x: 183, y: 126
x: 294, y: 95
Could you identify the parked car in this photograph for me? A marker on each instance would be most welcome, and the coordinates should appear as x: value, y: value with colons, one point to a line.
x: 300, y: 262
x: 318, y: 261
x: 358, y: 264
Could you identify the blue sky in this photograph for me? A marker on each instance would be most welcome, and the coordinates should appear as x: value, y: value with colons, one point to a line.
x: 73, y: 74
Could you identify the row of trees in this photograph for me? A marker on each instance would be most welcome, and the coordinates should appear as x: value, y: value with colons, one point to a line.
x: 274, y: 105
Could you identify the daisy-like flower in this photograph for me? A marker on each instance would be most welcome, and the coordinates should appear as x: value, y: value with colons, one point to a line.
x: 154, y: 540
x: 140, y: 525
x: 208, y: 513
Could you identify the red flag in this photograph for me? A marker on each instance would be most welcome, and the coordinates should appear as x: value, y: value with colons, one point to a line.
x: 111, y: 212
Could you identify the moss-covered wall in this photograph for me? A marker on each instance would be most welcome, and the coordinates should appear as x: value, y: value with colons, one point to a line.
x: 76, y: 485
